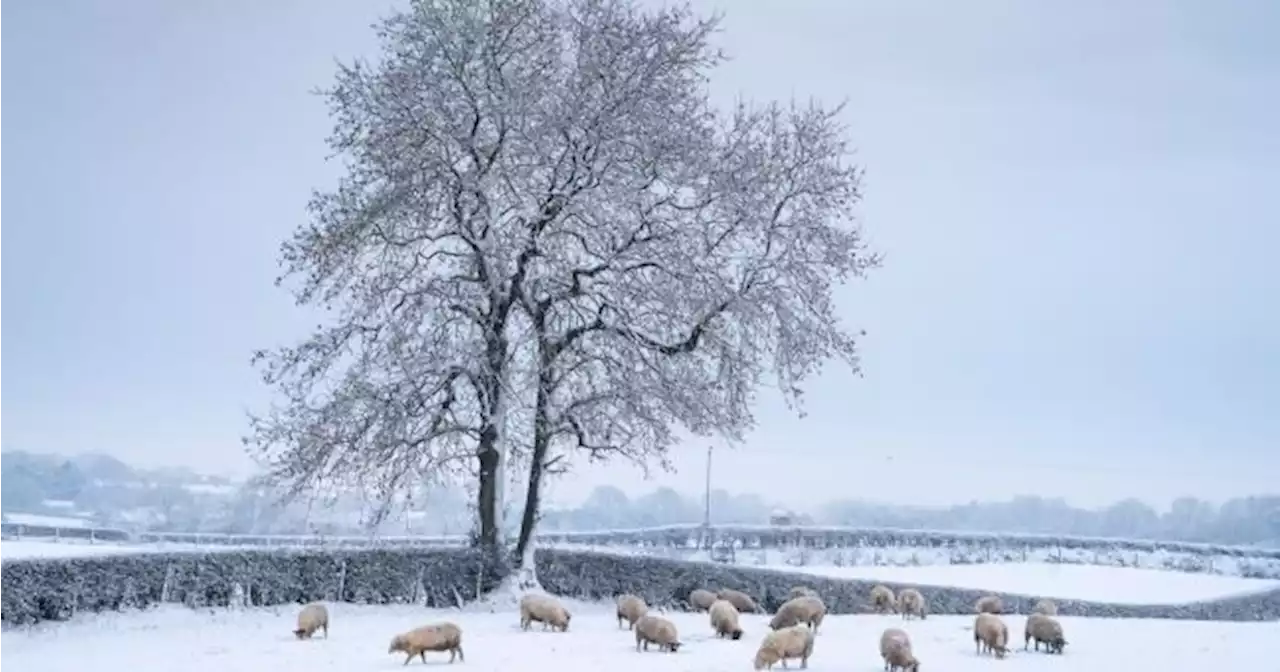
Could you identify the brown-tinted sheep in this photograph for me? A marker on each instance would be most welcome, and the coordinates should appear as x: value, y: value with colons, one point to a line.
x: 652, y: 629
x: 895, y: 648
x: 781, y: 645
x: 990, y: 634
x: 313, y: 617
x: 544, y: 609
x: 808, y: 610
x: 724, y: 619
x: 630, y: 609
x: 435, y: 637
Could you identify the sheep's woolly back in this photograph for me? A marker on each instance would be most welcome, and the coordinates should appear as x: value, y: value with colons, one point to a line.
x: 701, y: 599
x: 741, y: 601
x: 652, y: 629
x: 314, y: 616
x: 1046, y: 606
x: 990, y: 604
x: 912, y: 603
x: 990, y: 633
x: 724, y: 619
x: 631, y: 608
x: 780, y: 645
x: 807, y: 609
x: 895, y: 648
x: 545, y: 609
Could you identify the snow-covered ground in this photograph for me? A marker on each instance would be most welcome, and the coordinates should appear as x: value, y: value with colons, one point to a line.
x: 1125, y: 585
x: 260, y: 639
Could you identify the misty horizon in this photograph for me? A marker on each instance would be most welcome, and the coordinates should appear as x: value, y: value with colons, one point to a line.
x: 1076, y: 300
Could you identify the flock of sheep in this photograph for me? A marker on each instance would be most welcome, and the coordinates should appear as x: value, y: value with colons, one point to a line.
x: 791, y: 635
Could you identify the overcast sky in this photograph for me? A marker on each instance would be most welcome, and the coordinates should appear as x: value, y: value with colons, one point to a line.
x: 1078, y: 203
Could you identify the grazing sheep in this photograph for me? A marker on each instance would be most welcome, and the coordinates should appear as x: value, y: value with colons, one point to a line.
x: 801, y: 591
x: 724, y: 619
x: 313, y: 617
x: 434, y: 637
x: 1046, y: 606
x: 1044, y: 629
x: 882, y: 599
x: 779, y: 645
x: 544, y: 609
x: 990, y: 634
x: 630, y: 609
x: 701, y: 600
x: 912, y: 603
x: 990, y: 604
x: 658, y: 630
x: 895, y: 648
x: 741, y: 601
x: 807, y: 610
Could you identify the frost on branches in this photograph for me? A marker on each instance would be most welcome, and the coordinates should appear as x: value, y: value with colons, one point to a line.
x: 544, y: 213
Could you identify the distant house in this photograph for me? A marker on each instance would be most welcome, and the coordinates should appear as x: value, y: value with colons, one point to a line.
x: 782, y: 517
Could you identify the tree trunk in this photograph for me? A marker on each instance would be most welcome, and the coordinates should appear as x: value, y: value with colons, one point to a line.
x: 537, y: 464
x: 489, y: 450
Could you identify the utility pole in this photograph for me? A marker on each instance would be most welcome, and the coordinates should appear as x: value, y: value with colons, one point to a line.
x: 706, y: 514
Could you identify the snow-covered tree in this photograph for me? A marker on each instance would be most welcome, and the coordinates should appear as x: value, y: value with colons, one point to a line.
x: 544, y: 211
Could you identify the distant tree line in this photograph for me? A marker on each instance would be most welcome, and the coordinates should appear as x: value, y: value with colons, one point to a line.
x: 1242, y: 520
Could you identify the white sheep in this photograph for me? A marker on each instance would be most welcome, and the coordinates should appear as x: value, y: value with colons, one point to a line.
x: 724, y: 619
x: 656, y: 630
x: 701, y: 599
x: 1044, y: 629
x: 780, y: 645
x: 882, y: 599
x: 313, y: 617
x: 912, y: 603
x: 434, y: 637
x: 741, y: 601
x: 807, y: 609
x: 1046, y: 606
x: 991, y: 604
x: 544, y: 609
x: 990, y: 634
x: 630, y: 609
x: 895, y: 648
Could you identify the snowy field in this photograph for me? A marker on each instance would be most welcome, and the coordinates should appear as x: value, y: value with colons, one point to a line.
x: 260, y: 639
x: 1122, y: 585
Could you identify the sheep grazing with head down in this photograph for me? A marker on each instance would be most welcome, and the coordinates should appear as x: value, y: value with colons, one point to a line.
x: 741, y: 601
x: 991, y: 604
x: 724, y: 619
x: 630, y: 609
x: 1046, y: 606
x: 807, y: 610
x: 912, y: 603
x: 435, y: 637
x: 895, y: 648
x: 652, y: 629
x: 780, y: 645
x: 313, y: 617
x: 801, y: 591
x: 1044, y: 629
x: 990, y: 635
x: 544, y: 609
x: 882, y: 600
x: 701, y: 599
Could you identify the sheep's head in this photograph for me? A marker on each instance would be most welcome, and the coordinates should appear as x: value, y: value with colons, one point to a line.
x: 300, y: 633
x: 736, y: 634
x: 397, y: 644
x: 764, y: 658
x: 673, y: 647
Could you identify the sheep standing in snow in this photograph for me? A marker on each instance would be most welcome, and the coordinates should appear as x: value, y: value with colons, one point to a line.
x: 991, y: 604
x: 544, y: 609
x: 724, y: 619
x: 895, y: 648
x: 741, y: 601
x: 701, y: 599
x: 882, y: 600
x: 807, y: 610
x: 990, y: 634
x: 780, y: 645
x: 656, y: 630
x: 801, y: 591
x: 630, y: 609
x: 1044, y: 629
x: 435, y: 637
x: 313, y: 617
x: 1046, y: 606
x: 912, y: 603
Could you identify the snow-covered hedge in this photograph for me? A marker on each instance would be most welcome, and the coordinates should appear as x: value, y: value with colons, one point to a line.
x: 56, y: 589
